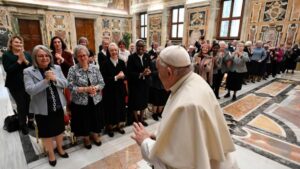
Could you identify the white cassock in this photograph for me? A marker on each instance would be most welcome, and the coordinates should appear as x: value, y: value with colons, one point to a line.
x: 193, y: 133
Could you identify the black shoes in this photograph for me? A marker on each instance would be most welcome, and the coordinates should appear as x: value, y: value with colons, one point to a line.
x: 155, y: 116
x: 227, y: 95
x: 30, y: 125
x: 121, y: 131
x: 66, y: 155
x: 233, y: 98
x: 144, y: 123
x: 97, y: 143
x: 110, y: 133
x: 24, y: 130
x: 52, y: 163
x: 88, y: 146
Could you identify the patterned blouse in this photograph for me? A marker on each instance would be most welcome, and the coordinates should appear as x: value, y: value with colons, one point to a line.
x: 77, y: 77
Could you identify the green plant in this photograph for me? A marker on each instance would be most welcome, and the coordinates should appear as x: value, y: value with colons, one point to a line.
x: 126, y: 39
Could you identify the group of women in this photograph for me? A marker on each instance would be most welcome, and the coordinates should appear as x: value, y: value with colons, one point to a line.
x: 212, y: 64
x: 242, y: 63
x: 40, y: 83
x: 51, y: 79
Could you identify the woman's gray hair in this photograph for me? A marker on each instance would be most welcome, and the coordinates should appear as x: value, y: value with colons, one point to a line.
x: 80, y: 48
x: 34, y: 55
x: 113, y: 44
x: 223, y: 43
x: 83, y: 38
x: 248, y: 43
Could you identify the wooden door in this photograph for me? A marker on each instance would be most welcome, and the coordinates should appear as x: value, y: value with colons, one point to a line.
x: 31, y: 33
x: 85, y: 27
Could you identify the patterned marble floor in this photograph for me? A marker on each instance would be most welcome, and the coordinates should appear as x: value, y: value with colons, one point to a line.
x: 264, y: 127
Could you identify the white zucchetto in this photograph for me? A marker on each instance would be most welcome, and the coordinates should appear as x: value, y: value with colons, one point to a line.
x: 175, y: 56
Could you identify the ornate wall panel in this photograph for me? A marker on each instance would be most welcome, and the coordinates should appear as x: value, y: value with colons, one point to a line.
x: 275, y: 10
x: 5, y: 30
x: 58, y: 24
x: 291, y: 33
x: 274, y: 20
x: 295, y: 12
x: 197, y: 23
x: 271, y: 33
x: 114, y: 27
x: 252, y: 33
x: 155, y: 25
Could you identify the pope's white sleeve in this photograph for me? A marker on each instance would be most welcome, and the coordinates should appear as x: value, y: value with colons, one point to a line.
x: 146, y: 147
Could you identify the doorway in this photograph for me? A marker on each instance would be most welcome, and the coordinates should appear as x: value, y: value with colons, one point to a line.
x: 85, y: 27
x: 30, y: 31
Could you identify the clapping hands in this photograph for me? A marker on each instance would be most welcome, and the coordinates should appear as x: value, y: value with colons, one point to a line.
x: 22, y: 58
x: 147, y: 72
x: 50, y: 76
x: 59, y: 58
x: 120, y: 75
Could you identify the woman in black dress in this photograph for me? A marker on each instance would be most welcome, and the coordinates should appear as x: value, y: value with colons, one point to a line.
x: 158, y: 96
x: 86, y: 84
x: 139, y: 71
x: 291, y: 58
x: 45, y: 82
x: 114, y: 92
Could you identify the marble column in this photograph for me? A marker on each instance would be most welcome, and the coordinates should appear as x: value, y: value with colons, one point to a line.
x: 164, y: 26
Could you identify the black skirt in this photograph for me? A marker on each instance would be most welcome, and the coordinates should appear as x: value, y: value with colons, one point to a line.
x: 86, y: 118
x: 234, y: 81
x: 158, y: 97
x: 254, y: 68
x: 51, y: 125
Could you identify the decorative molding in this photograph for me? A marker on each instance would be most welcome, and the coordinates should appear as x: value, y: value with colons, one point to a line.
x: 203, y: 3
x: 275, y: 10
x: 271, y: 33
x: 252, y: 33
x: 256, y: 8
x: 291, y: 34
x: 155, y: 28
x: 197, y: 19
x: 295, y: 13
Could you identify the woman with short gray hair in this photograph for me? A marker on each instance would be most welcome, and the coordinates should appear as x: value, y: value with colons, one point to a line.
x: 86, y: 84
x: 45, y: 82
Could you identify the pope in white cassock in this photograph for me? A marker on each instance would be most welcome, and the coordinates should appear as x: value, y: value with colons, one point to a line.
x: 193, y: 133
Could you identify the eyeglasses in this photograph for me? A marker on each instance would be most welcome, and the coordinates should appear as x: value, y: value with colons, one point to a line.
x: 43, y: 56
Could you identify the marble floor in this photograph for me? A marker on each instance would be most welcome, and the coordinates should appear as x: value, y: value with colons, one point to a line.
x: 265, y: 129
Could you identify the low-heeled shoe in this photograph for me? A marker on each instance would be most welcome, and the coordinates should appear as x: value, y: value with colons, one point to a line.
x: 52, y: 163
x: 66, y: 155
x: 88, y: 146
x: 121, y: 131
x: 110, y: 133
x: 97, y: 143
x: 144, y: 123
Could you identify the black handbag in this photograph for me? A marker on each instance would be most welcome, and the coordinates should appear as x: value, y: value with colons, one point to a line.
x: 11, y: 123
